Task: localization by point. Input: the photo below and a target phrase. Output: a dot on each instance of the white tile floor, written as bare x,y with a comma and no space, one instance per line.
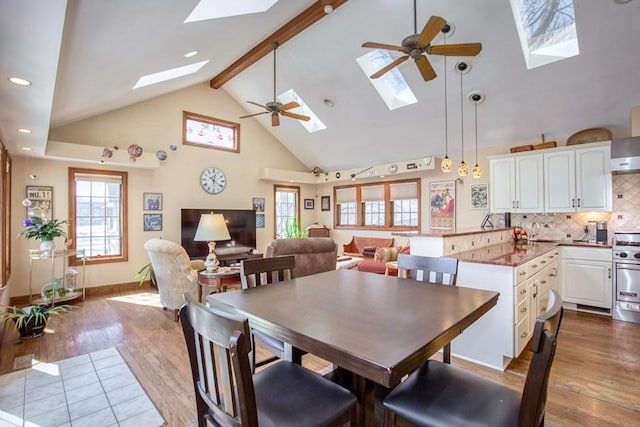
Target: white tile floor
95,389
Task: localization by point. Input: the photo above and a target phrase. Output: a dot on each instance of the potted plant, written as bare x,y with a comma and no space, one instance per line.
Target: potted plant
43,230
146,272
293,229
31,320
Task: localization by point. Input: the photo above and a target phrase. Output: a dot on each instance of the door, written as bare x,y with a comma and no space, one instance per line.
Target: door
587,282
593,179
503,194
529,184
560,181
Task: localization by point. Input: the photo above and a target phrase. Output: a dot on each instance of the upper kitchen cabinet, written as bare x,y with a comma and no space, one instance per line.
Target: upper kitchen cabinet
517,184
578,179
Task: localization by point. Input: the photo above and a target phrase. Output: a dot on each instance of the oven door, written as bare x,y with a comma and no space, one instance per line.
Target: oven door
627,282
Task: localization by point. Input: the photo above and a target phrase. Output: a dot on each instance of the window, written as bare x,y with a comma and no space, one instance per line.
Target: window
389,205
287,209
98,212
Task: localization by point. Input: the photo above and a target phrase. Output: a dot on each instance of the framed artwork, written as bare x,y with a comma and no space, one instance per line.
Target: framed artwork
258,204
152,222
308,203
209,132
41,198
260,221
479,196
442,201
152,201
325,203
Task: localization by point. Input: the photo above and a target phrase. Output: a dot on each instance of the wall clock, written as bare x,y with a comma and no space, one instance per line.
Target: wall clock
393,168
213,180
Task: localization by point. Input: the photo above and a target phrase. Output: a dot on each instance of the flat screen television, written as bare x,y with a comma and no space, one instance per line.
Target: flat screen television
242,228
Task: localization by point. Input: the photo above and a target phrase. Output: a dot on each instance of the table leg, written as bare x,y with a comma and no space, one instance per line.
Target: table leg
364,390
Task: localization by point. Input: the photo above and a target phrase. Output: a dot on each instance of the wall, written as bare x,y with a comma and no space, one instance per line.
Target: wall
154,125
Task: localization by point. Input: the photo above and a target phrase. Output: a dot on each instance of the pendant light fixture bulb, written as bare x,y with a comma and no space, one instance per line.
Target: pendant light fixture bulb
463,169
446,164
476,172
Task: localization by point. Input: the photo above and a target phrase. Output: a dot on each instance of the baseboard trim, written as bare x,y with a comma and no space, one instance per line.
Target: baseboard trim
93,291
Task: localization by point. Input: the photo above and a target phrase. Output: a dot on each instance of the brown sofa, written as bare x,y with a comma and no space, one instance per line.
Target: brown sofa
313,254
357,246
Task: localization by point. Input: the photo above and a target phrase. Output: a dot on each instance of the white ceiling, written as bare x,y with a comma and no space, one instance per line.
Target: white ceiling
84,57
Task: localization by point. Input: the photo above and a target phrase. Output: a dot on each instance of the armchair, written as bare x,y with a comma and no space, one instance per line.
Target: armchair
175,273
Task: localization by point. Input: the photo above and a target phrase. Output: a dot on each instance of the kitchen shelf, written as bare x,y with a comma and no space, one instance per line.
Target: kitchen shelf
58,258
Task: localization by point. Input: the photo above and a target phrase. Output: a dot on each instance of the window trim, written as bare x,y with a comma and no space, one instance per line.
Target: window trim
387,202
275,219
124,212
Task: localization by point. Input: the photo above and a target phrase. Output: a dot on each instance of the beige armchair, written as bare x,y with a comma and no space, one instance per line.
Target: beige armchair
313,254
175,273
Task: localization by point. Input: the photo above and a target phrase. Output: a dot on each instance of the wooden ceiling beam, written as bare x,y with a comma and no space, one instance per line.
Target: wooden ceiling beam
301,22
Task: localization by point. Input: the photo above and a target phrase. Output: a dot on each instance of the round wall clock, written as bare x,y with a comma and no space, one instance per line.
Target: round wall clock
213,180
393,168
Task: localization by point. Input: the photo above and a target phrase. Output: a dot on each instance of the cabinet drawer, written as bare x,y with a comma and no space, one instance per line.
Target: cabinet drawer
534,266
521,293
521,336
521,273
548,276
522,311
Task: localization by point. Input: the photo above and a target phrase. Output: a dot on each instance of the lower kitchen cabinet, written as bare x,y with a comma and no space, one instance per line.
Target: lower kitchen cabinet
586,278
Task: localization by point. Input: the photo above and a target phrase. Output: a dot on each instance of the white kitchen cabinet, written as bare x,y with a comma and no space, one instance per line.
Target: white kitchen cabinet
578,179
586,278
517,184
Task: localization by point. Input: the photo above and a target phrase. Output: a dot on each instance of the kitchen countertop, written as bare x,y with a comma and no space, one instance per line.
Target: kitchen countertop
450,233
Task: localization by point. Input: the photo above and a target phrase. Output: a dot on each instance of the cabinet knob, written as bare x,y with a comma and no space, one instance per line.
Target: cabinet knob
523,310
523,291
523,273
543,261
543,281
523,335
534,265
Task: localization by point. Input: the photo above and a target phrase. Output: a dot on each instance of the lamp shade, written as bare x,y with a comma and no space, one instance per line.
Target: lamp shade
212,227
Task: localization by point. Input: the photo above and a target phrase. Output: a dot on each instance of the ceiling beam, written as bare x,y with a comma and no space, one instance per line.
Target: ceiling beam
304,20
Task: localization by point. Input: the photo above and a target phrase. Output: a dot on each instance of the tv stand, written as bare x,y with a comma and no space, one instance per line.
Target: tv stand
228,259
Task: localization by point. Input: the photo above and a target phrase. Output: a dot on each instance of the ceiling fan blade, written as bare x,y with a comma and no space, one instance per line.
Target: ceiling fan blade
430,31
259,105
251,115
425,68
288,106
295,116
375,45
461,49
275,119
389,67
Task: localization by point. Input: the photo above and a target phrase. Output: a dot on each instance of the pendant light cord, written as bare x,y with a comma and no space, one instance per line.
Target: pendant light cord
476,117
415,18
461,115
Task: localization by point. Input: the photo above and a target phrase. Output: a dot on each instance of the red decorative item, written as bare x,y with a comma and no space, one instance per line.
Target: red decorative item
134,151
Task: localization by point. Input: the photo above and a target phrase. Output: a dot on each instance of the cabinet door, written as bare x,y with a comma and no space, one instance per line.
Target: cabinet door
593,179
587,282
529,184
503,193
559,182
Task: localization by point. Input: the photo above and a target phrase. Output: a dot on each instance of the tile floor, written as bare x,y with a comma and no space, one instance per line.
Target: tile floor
96,389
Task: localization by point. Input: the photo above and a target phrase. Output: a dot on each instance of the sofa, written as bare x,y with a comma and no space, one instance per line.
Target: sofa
378,264
365,246
313,254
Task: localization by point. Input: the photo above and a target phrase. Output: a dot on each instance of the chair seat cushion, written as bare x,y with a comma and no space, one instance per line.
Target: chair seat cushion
268,341
290,395
441,394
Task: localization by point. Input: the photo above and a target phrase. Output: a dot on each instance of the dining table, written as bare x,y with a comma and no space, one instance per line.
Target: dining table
378,328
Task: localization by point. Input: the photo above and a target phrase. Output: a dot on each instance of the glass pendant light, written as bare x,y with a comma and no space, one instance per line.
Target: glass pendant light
446,164
463,169
476,98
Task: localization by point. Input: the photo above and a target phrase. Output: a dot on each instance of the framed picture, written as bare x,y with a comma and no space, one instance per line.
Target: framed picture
308,203
442,199
260,221
152,201
41,198
209,132
258,204
479,196
152,222
325,203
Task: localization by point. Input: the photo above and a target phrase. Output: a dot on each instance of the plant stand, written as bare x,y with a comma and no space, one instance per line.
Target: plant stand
58,260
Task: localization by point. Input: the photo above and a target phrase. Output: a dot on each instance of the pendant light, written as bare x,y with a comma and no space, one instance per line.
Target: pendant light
476,98
446,164
462,67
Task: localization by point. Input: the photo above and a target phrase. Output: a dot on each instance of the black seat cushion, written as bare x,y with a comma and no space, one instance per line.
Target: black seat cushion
289,395
441,394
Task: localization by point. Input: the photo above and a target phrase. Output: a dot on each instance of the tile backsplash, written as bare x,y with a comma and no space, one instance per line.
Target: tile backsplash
625,215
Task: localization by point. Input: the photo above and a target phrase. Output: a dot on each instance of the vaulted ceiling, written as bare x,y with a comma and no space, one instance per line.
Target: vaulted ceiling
83,58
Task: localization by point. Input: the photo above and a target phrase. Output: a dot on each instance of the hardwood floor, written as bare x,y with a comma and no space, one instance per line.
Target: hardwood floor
594,379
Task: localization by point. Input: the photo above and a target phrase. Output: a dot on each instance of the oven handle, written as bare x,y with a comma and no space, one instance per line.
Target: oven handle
626,265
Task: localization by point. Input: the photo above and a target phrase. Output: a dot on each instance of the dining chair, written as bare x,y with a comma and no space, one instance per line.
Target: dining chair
441,394
284,394
260,272
439,270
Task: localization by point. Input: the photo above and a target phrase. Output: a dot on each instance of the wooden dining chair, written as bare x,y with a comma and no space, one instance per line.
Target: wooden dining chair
441,394
430,269
260,272
284,394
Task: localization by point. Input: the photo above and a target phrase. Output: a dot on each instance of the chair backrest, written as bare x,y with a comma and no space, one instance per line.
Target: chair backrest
262,271
218,344
313,255
428,269
543,345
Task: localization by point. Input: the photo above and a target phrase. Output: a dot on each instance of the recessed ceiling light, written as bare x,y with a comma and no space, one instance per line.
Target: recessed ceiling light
25,148
19,81
328,102
622,1
190,54
23,130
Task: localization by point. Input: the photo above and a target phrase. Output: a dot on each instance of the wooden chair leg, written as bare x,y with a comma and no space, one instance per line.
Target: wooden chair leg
176,314
446,354
389,418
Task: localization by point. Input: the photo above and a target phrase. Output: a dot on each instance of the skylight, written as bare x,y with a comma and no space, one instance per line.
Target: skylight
212,9
547,30
392,86
163,76
313,125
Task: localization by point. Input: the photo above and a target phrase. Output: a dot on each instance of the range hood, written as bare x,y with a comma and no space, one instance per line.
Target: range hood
625,154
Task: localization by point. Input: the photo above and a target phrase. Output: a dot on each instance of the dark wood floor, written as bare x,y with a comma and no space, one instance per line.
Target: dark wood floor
594,381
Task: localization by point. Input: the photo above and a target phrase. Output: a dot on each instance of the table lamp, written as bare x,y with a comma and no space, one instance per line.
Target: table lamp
212,227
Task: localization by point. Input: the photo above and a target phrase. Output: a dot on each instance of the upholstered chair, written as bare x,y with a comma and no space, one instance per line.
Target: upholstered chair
313,254
175,273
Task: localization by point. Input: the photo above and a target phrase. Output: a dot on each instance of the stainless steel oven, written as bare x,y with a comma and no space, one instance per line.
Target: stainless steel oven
626,278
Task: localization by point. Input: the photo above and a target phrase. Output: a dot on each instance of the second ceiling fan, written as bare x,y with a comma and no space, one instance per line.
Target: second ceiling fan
417,45
274,107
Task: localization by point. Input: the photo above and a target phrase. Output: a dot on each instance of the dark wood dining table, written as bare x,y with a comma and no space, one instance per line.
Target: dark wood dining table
379,328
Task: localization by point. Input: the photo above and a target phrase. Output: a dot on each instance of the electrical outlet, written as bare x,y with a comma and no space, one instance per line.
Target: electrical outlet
568,236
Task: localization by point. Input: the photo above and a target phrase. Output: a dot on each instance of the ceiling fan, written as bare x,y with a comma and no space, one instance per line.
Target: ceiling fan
416,45
274,107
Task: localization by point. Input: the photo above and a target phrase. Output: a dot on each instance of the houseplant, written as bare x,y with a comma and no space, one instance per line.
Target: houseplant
31,320
146,272
40,229
293,229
